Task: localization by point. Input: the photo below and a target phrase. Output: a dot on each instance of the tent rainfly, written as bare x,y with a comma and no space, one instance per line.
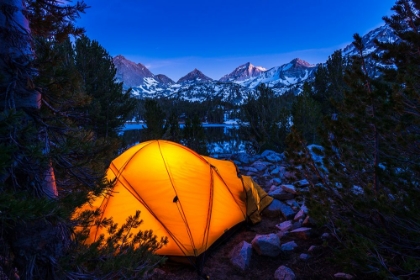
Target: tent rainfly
191,199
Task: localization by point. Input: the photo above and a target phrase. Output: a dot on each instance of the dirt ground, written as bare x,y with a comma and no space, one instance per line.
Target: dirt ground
217,265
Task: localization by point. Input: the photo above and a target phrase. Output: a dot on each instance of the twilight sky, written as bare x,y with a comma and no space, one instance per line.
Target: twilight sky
173,37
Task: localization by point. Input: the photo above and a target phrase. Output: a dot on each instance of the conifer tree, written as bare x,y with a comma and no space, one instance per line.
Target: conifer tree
109,106
194,135
154,117
50,160
306,114
361,191
266,119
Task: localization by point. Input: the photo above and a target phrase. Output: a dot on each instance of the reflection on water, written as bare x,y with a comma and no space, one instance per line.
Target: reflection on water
221,139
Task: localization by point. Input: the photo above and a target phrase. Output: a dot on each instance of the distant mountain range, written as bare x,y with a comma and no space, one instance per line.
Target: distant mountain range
233,87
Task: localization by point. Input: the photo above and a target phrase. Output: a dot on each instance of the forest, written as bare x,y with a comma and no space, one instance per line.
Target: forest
63,108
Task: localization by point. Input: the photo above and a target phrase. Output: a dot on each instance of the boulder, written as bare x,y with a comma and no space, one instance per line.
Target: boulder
278,193
272,156
277,208
240,256
304,257
301,233
299,215
285,226
289,188
289,246
267,244
284,273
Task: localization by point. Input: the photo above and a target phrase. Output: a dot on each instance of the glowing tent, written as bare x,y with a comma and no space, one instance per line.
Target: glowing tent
191,199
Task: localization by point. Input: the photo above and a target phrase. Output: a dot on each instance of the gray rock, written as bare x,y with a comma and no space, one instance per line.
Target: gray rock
313,248
272,156
274,181
244,158
289,246
289,188
250,169
343,275
267,245
284,273
299,215
302,233
240,256
277,208
302,183
278,193
308,222
304,257
275,171
325,235
285,226
259,165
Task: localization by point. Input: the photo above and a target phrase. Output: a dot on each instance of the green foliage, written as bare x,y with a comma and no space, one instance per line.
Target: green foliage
306,113
368,196
127,253
109,106
266,119
194,136
329,84
154,117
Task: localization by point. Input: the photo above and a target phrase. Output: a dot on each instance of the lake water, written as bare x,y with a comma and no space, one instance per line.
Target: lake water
220,138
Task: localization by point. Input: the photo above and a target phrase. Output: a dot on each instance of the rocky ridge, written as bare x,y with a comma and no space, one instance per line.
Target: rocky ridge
243,80
286,244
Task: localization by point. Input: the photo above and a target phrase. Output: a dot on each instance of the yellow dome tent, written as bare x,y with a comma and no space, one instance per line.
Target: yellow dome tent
191,199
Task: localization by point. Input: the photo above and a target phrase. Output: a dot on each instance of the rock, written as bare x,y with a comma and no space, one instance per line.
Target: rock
271,156
280,194
250,170
313,248
244,158
308,222
240,256
289,246
277,208
275,171
343,275
304,257
284,273
302,183
289,188
301,233
259,165
275,181
267,245
325,235
285,226
304,208
296,225
299,215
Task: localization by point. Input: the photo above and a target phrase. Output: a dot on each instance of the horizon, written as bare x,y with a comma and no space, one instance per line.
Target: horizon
174,38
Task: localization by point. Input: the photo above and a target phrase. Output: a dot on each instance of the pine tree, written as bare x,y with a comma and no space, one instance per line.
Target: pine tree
306,114
154,118
51,161
361,190
109,106
266,118
329,84
194,136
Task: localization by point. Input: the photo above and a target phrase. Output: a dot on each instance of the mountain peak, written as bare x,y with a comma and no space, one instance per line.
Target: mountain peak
300,62
243,72
195,75
129,72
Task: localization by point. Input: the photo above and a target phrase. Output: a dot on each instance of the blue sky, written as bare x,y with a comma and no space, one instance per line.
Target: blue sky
173,37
